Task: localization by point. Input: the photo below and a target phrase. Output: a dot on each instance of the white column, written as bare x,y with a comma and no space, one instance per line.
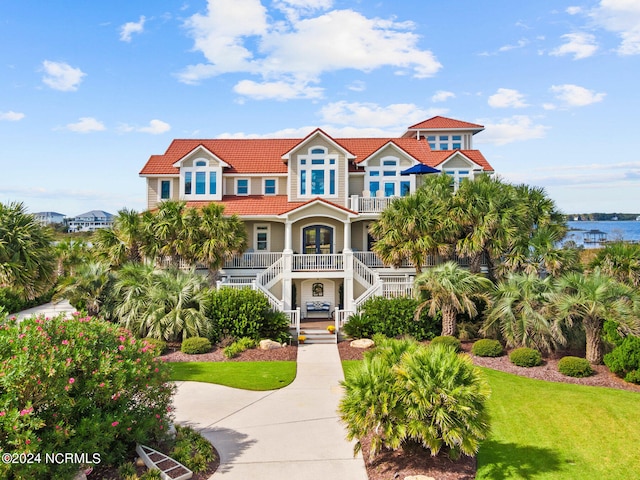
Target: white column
288,237
347,237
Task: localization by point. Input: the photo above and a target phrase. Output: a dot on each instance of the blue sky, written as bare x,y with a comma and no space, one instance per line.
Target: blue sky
89,90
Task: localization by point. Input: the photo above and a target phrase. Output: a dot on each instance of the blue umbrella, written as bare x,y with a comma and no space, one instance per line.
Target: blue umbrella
419,169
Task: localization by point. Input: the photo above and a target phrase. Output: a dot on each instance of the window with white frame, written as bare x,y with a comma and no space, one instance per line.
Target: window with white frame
445,142
198,182
270,186
317,173
242,186
386,181
457,176
261,237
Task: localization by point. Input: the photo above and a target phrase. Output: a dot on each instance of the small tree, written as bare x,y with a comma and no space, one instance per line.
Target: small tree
404,392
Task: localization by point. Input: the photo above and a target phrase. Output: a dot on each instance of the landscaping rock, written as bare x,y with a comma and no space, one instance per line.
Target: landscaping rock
362,343
269,345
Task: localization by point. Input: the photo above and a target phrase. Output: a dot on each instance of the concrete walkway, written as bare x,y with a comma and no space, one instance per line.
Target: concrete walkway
48,310
289,433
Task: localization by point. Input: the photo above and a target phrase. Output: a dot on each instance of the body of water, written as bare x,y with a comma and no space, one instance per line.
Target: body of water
615,230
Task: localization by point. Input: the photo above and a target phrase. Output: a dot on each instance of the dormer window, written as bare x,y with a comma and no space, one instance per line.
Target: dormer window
199,180
242,186
386,180
317,173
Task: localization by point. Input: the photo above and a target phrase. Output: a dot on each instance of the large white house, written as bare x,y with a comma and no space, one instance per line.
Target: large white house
90,221
307,204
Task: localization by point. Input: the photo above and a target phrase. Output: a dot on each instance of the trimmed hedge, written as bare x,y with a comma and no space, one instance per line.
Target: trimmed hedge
487,347
525,357
575,367
196,345
448,341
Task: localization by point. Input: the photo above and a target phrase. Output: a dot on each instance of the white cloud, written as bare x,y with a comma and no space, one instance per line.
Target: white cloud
155,127
514,129
130,28
507,97
580,45
241,37
370,115
357,86
520,44
86,125
11,116
442,96
576,96
62,76
574,10
621,17
280,90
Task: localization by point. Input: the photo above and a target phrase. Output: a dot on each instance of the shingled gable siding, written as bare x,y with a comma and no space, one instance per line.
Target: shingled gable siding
341,180
456,162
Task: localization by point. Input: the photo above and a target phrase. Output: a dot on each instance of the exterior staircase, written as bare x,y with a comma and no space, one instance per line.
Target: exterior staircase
319,336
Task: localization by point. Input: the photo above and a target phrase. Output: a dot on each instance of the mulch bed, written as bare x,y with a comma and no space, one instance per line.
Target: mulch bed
402,463
288,353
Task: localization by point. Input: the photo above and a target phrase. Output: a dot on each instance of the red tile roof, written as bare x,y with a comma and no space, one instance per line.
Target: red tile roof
444,123
246,156
258,205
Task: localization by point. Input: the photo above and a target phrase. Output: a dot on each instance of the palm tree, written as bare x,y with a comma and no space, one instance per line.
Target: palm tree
451,289
416,226
27,262
123,242
484,209
157,303
168,233
589,300
538,228
88,289
220,237
519,311
70,254
621,261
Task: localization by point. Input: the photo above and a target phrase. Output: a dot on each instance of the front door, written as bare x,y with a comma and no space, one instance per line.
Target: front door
317,239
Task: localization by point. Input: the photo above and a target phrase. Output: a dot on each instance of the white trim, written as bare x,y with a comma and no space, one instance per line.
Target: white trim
264,186
255,236
208,152
365,162
248,187
326,168
317,132
208,170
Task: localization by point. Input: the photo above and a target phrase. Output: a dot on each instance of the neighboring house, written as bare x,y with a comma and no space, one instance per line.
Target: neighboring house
90,221
49,218
307,204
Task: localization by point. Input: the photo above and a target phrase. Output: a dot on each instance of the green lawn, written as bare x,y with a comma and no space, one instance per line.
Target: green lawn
545,430
245,375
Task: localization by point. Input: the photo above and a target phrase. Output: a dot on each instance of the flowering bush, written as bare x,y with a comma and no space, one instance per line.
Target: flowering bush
80,386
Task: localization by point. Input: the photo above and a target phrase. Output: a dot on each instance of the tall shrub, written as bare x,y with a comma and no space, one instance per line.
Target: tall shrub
392,317
79,386
241,313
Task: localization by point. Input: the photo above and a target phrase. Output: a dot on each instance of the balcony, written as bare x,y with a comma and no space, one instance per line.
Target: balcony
314,263
369,204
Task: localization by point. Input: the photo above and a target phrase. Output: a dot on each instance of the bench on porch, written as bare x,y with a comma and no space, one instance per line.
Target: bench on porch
322,308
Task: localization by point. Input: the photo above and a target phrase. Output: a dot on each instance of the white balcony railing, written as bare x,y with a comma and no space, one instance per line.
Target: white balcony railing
325,262
250,260
370,204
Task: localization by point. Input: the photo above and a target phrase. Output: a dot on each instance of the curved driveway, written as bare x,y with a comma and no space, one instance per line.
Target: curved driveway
289,433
